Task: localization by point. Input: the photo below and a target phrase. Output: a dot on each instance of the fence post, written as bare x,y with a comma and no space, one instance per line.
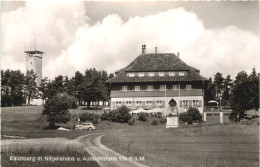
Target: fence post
205,116
221,117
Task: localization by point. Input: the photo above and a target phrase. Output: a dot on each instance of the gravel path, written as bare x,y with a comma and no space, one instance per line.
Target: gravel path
105,156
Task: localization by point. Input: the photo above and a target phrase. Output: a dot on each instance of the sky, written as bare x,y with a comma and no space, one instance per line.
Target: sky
74,36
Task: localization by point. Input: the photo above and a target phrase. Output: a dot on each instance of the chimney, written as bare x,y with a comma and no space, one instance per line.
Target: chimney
143,49
155,50
178,55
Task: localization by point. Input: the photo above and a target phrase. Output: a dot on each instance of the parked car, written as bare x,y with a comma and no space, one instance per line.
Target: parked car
85,126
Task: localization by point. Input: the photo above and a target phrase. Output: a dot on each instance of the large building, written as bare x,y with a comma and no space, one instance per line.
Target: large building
34,62
155,79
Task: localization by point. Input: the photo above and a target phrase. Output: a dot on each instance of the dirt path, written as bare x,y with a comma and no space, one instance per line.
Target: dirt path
108,157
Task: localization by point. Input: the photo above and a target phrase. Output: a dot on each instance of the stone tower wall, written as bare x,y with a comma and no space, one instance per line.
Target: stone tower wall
34,62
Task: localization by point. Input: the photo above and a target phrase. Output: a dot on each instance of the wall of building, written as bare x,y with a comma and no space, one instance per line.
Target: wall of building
34,63
157,93
182,108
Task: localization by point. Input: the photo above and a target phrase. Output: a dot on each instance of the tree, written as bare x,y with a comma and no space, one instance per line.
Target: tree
91,86
12,88
218,81
210,91
56,108
227,84
30,86
244,94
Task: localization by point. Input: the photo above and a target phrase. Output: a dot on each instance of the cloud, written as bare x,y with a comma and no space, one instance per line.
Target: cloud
70,43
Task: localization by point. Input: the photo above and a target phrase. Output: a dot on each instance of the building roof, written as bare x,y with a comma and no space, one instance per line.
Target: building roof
155,63
33,52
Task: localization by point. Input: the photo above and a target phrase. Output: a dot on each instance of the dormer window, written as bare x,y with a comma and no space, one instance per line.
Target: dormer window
141,74
171,73
181,73
161,74
131,74
151,74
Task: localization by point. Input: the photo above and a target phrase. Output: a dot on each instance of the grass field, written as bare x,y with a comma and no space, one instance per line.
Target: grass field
27,122
231,145
235,144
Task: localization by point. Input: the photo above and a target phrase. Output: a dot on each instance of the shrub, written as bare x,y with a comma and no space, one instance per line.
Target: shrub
104,116
95,121
143,116
88,116
234,116
163,120
183,116
191,115
131,121
154,122
121,115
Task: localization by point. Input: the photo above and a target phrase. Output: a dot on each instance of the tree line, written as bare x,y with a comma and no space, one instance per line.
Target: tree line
241,94
17,88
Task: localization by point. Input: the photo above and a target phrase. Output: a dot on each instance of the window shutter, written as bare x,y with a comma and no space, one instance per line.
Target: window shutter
200,103
113,105
190,103
153,104
180,103
163,103
143,103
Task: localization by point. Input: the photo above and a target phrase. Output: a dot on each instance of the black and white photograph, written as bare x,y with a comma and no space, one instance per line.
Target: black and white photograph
130,83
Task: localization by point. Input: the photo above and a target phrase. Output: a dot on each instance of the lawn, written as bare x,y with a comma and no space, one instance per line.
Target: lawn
24,121
222,145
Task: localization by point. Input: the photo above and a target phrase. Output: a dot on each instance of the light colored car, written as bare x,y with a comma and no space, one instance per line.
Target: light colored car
85,126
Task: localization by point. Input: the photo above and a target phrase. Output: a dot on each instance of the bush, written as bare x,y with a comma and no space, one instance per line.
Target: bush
95,121
154,122
131,121
191,115
234,116
163,120
104,116
88,116
121,115
143,116
183,116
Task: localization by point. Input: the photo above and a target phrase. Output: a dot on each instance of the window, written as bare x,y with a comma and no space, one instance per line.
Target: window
128,103
141,74
131,74
195,103
185,102
124,88
159,103
151,74
150,88
181,73
162,87
118,103
138,104
161,74
171,73
148,103
188,87
137,88
175,87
